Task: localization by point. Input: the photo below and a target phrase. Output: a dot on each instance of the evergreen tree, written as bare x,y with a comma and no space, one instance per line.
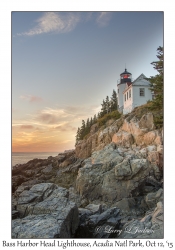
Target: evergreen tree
98,115
82,130
107,102
103,109
87,128
91,122
78,135
87,123
94,119
114,100
156,81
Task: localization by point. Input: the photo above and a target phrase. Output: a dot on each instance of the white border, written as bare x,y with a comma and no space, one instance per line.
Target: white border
5,93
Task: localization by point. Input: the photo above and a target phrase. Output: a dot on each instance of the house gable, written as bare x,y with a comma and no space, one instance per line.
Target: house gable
141,81
136,93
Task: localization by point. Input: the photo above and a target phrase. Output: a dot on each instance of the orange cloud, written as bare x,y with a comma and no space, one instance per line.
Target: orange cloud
48,118
49,130
26,127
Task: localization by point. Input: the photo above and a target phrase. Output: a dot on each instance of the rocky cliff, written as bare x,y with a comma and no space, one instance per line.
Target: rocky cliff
113,179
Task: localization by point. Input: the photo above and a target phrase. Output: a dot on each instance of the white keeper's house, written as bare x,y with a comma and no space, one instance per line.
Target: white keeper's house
132,94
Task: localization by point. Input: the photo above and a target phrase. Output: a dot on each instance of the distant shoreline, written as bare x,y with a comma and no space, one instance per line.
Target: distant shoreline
24,157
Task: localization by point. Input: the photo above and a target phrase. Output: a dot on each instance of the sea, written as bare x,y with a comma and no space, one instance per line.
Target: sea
24,157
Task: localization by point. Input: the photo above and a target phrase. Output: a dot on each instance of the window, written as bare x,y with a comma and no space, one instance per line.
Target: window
127,95
130,93
142,92
118,90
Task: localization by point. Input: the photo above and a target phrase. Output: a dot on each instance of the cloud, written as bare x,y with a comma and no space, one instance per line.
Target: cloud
103,19
48,118
31,98
65,127
60,119
26,127
49,128
54,22
77,110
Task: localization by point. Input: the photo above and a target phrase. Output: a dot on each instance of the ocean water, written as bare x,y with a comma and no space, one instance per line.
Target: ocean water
24,157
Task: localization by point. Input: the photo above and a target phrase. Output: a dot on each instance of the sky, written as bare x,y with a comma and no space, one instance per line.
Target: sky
65,63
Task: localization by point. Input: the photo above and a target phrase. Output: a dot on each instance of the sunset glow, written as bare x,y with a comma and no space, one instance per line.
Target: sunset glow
65,63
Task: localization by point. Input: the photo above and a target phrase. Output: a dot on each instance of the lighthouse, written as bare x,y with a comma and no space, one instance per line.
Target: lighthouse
125,80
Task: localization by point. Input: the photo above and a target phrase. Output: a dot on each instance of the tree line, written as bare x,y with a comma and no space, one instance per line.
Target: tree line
108,105
156,81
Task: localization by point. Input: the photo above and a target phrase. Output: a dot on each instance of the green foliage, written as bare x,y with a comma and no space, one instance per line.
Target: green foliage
158,120
108,105
112,115
156,86
156,81
108,111
114,102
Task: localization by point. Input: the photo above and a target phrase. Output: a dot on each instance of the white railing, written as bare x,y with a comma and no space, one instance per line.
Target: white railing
119,80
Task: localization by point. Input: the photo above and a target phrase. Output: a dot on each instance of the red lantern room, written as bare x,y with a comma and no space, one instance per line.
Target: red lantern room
125,77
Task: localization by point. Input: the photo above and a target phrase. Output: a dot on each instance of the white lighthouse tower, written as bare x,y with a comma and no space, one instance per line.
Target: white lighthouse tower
125,78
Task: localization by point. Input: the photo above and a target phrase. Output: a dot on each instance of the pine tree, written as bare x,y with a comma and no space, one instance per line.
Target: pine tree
156,81
107,104
103,109
114,100
98,115
78,135
87,123
82,130
91,122
94,119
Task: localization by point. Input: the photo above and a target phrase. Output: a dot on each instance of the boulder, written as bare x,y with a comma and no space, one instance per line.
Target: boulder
45,226
47,169
147,121
107,177
36,194
66,176
137,165
151,148
94,128
125,205
46,212
123,138
17,181
152,137
123,170
98,138
153,198
99,225
153,157
149,227
94,208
